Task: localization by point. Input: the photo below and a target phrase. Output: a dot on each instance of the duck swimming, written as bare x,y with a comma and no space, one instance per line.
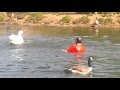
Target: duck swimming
16,39
80,69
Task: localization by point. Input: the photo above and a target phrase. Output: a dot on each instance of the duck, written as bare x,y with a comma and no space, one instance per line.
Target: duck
16,39
81,69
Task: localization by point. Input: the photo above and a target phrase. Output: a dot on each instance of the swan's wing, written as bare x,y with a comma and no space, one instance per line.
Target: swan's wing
13,37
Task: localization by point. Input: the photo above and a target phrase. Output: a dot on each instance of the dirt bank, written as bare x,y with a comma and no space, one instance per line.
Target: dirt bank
55,20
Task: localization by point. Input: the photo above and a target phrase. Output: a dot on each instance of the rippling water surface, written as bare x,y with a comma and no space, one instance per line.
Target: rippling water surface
41,56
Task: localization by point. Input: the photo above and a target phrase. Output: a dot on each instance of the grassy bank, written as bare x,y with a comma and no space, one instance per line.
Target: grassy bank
58,19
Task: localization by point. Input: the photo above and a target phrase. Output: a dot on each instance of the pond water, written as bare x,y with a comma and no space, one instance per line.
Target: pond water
41,55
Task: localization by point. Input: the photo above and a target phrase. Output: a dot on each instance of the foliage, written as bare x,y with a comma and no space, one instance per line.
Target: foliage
105,21
36,17
66,19
83,20
2,17
20,16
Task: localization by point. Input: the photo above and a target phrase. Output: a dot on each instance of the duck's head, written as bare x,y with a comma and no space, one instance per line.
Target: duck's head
90,59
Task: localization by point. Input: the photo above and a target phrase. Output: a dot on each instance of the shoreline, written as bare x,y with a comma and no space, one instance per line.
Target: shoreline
64,25
54,20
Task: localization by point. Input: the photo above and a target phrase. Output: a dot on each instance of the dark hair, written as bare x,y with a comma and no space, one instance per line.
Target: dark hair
78,40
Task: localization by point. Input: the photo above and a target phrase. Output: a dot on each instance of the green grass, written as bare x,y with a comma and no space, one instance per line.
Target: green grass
82,20
66,19
36,17
105,21
2,17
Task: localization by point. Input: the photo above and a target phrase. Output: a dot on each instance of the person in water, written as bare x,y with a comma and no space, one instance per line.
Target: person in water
78,49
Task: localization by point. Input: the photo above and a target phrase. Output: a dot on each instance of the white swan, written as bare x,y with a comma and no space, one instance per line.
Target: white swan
16,39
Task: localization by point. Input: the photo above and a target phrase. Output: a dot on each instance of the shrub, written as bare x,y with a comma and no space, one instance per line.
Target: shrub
108,21
105,21
101,20
83,20
20,16
66,19
36,17
2,17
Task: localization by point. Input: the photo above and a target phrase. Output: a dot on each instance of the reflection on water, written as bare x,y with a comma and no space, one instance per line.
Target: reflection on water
41,55
17,54
96,32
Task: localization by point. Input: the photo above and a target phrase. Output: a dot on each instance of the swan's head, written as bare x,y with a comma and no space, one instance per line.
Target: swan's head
20,32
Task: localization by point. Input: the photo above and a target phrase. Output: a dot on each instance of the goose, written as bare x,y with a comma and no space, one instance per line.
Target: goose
80,69
95,23
16,39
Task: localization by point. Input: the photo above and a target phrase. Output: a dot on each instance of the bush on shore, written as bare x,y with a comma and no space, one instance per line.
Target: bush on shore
82,20
105,21
36,17
66,19
2,17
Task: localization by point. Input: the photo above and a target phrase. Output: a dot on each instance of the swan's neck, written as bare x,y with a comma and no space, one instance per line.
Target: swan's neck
19,34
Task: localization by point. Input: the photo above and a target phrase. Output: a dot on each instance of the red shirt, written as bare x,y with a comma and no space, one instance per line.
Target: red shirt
76,48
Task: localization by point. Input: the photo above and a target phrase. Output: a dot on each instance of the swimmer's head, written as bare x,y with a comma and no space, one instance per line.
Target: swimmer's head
78,40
